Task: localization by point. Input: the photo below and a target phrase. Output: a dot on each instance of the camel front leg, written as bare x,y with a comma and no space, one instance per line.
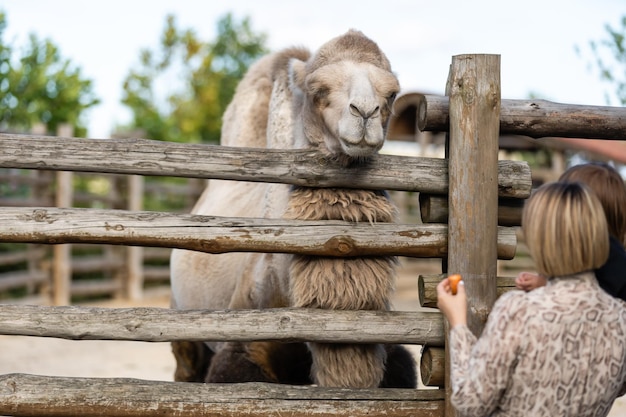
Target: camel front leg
192,361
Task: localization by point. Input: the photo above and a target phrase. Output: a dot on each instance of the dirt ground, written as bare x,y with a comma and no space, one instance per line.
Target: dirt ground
154,361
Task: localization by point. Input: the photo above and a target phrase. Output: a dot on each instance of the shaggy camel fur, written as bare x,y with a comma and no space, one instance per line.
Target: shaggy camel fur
337,101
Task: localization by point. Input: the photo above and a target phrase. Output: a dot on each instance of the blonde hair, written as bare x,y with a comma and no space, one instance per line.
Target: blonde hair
609,187
565,229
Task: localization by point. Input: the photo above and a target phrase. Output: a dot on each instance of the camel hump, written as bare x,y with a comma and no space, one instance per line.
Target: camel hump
282,60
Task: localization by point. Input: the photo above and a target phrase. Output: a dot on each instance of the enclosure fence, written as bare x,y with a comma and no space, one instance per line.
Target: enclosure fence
470,188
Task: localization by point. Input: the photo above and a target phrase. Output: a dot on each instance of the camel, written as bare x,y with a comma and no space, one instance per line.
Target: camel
337,101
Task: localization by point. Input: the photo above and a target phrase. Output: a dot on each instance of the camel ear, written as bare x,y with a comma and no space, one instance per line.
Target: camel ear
297,74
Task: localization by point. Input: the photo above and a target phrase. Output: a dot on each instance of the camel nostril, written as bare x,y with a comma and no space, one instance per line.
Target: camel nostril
357,111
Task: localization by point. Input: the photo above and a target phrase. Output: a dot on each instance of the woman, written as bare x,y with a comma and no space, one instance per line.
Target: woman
609,187
559,350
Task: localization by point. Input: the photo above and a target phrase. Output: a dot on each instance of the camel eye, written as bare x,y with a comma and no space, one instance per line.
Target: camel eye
320,96
390,99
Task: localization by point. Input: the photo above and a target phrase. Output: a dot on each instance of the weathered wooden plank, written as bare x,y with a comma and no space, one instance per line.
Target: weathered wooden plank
94,287
163,325
473,86
8,258
22,395
91,263
434,209
298,167
222,234
535,118
473,199
23,202
432,366
16,279
427,287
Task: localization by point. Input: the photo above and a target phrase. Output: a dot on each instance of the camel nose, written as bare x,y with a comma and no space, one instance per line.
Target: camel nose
363,111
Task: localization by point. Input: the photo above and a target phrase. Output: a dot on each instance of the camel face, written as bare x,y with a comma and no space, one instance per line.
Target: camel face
348,91
354,102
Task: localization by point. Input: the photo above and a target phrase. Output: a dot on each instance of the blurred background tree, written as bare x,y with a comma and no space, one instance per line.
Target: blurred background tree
41,87
204,73
610,59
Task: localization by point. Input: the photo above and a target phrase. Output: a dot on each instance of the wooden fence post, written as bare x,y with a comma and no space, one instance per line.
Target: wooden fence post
134,266
62,266
474,90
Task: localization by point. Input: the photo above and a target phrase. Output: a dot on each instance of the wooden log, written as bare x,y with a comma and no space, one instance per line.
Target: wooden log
94,263
535,118
434,209
472,149
62,254
20,179
165,325
134,254
432,366
17,279
23,202
8,258
94,287
474,90
219,235
22,395
427,287
156,273
298,167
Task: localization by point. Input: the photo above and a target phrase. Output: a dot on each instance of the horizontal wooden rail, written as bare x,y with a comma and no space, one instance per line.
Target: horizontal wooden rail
95,287
8,258
434,209
297,167
15,279
432,366
23,202
535,118
164,325
25,395
230,234
427,287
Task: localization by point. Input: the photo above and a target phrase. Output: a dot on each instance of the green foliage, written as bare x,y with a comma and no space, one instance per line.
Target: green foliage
41,87
206,74
613,70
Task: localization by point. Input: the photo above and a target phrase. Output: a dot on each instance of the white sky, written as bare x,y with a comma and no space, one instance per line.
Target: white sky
537,40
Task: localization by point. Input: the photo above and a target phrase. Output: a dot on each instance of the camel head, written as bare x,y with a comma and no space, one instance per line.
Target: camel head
343,96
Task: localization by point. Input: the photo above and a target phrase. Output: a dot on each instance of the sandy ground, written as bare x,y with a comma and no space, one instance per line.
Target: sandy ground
154,361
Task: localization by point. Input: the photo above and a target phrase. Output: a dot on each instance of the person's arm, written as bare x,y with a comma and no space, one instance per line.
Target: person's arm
480,369
453,307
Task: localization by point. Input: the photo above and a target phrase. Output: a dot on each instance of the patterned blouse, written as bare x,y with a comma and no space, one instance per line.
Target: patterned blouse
559,350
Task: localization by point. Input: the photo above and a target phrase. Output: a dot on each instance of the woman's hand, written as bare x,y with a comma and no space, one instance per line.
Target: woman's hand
528,281
453,307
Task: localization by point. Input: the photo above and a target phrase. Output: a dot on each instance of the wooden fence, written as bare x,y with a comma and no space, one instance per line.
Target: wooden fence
470,177
53,275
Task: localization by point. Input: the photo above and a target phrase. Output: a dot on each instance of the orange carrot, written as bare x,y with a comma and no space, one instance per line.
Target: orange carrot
454,282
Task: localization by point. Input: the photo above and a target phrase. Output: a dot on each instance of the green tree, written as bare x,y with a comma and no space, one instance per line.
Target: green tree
610,59
205,75
41,87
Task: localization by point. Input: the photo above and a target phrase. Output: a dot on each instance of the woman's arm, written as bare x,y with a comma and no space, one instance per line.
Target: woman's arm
480,369
453,307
